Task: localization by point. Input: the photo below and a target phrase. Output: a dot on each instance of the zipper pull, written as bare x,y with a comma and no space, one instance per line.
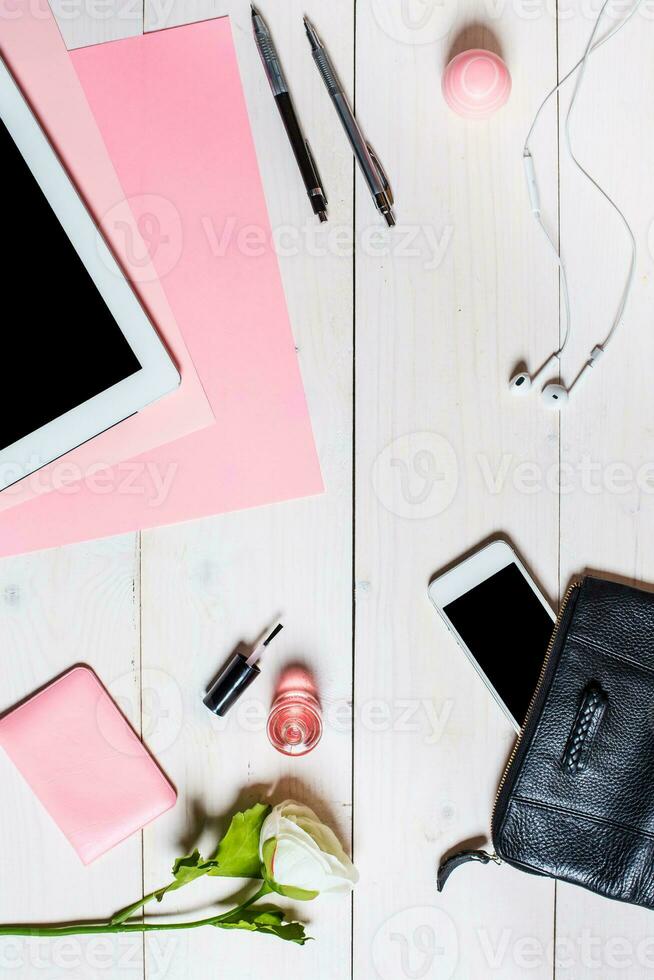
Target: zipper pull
462,857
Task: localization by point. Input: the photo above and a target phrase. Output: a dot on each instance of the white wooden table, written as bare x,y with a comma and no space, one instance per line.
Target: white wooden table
406,343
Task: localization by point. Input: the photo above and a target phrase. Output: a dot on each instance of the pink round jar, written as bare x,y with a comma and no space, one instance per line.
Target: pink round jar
476,83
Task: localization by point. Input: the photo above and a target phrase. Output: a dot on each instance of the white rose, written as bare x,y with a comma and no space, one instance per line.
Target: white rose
302,856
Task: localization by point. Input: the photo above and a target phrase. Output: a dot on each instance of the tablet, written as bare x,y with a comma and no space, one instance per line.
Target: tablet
79,353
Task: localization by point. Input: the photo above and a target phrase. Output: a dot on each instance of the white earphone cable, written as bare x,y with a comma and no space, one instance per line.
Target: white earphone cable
582,65
564,285
568,138
594,47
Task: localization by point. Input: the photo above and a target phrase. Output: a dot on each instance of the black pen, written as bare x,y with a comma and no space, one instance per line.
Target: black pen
301,148
366,157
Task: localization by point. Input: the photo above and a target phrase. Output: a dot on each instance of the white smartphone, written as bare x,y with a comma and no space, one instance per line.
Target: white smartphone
501,621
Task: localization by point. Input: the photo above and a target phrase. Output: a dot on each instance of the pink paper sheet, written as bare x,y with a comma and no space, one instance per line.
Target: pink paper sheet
32,46
171,109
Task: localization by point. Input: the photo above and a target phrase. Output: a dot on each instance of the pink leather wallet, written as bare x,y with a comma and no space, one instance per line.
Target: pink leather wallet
84,762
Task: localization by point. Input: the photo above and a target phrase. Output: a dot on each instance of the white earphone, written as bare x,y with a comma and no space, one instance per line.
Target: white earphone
523,382
555,395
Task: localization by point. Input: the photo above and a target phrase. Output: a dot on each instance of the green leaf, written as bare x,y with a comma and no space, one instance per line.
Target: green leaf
296,894
289,891
237,855
270,921
127,912
268,854
185,870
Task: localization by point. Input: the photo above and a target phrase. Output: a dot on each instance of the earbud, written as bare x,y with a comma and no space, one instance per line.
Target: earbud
520,384
523,382
555,396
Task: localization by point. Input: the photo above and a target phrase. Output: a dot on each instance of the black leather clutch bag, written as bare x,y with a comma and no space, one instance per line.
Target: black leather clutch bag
576,801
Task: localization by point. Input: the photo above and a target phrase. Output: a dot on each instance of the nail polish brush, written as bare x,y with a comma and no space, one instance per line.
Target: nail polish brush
237,675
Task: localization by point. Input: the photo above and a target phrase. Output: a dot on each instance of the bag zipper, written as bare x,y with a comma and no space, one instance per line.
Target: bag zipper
535,702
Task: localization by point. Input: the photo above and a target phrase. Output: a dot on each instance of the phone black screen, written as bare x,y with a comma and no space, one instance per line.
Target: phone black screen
60,344
507,630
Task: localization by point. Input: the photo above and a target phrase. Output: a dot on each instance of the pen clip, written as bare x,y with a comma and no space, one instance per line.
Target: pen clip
382,173
317,172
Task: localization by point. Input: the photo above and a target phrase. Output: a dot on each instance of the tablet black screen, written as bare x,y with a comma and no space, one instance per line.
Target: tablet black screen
60,344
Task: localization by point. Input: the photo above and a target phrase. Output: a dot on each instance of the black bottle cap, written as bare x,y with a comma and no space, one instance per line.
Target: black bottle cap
230,684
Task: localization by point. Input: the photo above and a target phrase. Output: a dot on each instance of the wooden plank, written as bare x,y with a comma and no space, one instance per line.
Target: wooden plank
209,585
607,518
78,604
84,22
59,608
442,452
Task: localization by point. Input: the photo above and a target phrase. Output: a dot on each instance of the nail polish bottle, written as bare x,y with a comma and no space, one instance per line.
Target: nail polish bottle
236,676
295,719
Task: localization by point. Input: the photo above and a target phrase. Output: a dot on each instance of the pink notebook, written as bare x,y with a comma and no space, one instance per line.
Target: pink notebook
85,763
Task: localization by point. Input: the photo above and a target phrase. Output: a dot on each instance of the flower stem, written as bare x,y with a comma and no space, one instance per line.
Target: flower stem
96,928
130,910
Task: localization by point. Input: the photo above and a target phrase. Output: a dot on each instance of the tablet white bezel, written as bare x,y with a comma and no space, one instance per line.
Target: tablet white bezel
158,374
462,578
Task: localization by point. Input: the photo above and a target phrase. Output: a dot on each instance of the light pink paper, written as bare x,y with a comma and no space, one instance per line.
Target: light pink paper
171,109
33,48
82,760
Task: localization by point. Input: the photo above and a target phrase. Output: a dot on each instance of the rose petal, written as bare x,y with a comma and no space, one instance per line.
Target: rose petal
299,867
308,854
